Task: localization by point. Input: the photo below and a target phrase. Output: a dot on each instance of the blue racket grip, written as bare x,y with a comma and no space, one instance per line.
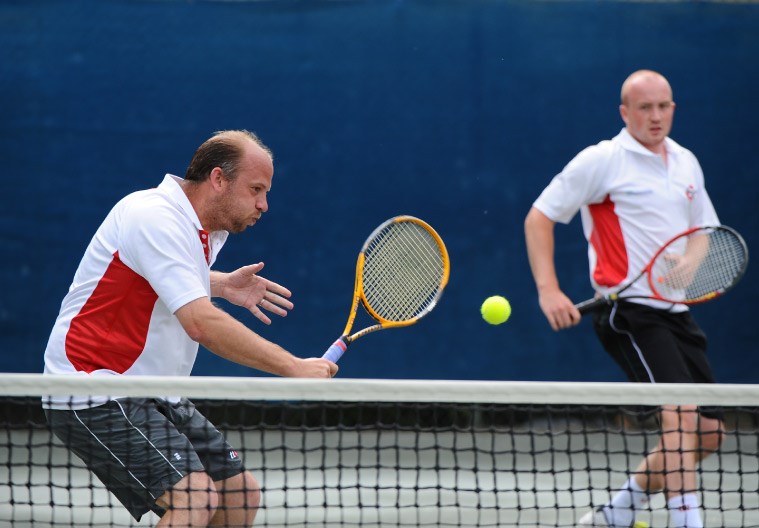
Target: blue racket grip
337,350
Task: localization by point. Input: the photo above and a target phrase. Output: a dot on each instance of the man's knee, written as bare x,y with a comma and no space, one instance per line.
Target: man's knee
251,489
711,435
240,497
194,498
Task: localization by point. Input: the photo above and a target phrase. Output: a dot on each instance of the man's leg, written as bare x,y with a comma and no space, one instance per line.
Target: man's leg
239,498
138,455
658,348
238,492
671,467
192,502
681,426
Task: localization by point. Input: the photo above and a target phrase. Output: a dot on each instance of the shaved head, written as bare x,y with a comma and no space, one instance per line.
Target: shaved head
635,79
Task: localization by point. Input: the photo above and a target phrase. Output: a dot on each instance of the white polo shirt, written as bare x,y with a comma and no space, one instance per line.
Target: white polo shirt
149,257
631,204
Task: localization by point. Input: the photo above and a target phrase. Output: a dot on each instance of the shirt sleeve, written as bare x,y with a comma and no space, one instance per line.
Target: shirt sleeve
155,244
578,184
702,210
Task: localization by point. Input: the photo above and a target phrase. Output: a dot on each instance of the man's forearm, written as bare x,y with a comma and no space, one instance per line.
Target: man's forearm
540,248
227,337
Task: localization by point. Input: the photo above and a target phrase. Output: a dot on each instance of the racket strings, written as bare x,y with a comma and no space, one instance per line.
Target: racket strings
404,278
403,271
717,260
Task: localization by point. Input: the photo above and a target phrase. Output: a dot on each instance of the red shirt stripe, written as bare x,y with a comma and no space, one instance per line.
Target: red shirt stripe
609,245
111,329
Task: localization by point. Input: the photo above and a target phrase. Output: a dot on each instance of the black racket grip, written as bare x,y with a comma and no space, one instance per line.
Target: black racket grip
586,307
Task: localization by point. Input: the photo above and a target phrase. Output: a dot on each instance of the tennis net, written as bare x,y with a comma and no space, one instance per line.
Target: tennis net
371,453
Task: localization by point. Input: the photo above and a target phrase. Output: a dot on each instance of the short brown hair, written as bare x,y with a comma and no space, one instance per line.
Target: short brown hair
224,150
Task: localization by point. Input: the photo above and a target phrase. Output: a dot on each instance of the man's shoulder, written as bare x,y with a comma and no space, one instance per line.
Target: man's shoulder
600,153
150,210
676,148
147,201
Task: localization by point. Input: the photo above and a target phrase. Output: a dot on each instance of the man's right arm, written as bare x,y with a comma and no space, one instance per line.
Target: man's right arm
227,337
539,236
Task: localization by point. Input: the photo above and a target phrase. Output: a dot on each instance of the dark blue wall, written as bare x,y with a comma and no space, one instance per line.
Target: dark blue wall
456,112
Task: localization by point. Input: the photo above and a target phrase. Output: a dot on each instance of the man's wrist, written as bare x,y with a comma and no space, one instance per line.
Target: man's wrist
548,288
218,283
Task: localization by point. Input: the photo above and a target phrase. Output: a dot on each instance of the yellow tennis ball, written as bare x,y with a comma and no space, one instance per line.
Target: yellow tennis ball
640,524
496,310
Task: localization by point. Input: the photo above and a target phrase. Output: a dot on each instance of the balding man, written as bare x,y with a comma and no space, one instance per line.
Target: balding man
635,192
139,304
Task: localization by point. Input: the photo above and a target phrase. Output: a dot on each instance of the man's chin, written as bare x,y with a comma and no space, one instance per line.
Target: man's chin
237,229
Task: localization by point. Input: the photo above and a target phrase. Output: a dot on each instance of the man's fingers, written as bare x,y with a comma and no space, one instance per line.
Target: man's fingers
261,316
275,303
254,268
277,289
562,319
333,368
278,300
273,308
575,315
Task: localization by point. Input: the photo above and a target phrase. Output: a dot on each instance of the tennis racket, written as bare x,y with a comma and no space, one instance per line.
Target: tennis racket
401,272
696,266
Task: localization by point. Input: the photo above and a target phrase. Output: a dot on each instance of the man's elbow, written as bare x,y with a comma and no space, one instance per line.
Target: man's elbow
536,219
532,219
196,332
196,320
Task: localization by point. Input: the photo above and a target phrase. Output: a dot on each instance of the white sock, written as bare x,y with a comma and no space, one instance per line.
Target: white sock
620,512
685,511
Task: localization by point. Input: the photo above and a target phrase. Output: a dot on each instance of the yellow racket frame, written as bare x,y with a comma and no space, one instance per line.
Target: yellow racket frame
358,288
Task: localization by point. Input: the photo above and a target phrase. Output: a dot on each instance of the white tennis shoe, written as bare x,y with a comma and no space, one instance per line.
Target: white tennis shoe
594,518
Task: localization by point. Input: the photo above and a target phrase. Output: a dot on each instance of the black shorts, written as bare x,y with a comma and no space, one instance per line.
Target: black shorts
654,346
140,448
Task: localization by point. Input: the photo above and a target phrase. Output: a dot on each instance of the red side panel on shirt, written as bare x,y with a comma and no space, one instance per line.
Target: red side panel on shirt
110,330
609,245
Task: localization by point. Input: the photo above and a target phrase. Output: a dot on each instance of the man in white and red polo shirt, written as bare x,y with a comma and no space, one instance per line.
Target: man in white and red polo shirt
139,304
635,192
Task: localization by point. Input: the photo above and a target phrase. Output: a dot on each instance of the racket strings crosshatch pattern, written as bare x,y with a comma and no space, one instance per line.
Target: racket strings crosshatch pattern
695,266
401,272
403,269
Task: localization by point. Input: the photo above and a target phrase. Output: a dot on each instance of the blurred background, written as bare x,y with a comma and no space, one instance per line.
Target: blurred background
458,112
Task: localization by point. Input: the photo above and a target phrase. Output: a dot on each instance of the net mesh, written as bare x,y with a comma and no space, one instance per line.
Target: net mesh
371,453
721,257
403,271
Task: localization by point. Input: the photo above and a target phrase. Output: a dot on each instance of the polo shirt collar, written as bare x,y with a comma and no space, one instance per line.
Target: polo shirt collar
171,186
630,143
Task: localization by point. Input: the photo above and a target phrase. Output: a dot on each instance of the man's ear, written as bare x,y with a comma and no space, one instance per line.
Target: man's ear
623,112
217,179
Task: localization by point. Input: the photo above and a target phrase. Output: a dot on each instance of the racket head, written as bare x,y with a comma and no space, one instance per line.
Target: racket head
402,271
718,258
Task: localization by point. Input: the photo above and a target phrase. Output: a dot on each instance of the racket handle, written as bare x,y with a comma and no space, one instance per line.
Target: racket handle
585,307
337,349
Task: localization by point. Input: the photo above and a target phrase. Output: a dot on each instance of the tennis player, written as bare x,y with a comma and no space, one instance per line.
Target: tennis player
635,192
139,304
